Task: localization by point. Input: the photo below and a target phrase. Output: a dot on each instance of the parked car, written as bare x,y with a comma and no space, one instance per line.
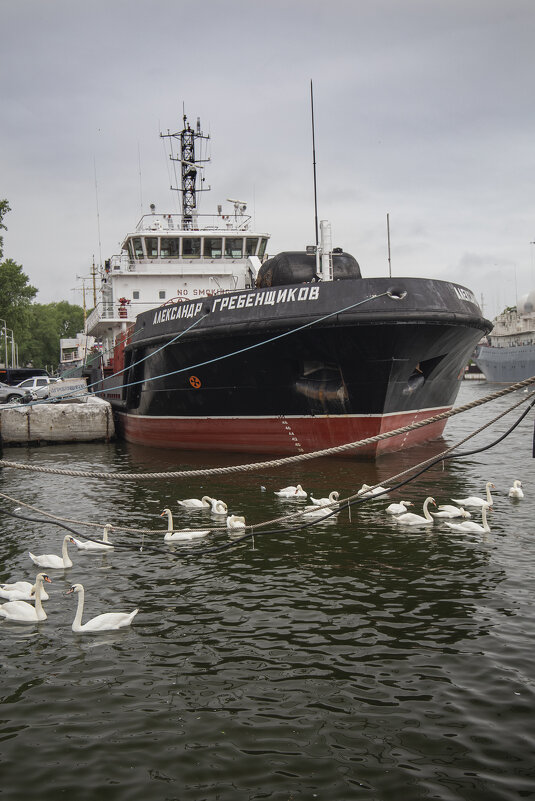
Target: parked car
38,386
11,394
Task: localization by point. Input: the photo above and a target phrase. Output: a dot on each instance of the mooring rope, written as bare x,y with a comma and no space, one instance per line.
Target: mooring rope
298,517
301,457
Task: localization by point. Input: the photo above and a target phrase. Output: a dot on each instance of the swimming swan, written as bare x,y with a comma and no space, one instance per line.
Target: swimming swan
89,545
398,508
219,507
469,525
235,522
473,500
445,510
23,612
195,503
51,560
333,497
410,519
291,492
183,535
516,490
21,591
109,621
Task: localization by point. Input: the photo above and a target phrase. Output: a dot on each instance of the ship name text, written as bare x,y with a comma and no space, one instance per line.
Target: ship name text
270,297
465,294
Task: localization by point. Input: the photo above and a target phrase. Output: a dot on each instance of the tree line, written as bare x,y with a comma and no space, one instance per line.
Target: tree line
37,327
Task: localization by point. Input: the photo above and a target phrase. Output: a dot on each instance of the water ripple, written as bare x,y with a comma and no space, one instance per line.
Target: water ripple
350,660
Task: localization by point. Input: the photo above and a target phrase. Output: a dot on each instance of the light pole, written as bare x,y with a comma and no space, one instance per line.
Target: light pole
5,341
12,346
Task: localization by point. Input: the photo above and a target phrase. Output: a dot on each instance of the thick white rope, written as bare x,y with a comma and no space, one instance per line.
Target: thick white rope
295,516
273,462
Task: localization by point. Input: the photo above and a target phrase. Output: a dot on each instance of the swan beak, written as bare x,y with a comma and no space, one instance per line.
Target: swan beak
45,578
71,540
71,589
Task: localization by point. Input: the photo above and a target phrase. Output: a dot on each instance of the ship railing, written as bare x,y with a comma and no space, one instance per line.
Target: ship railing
201,222
104,310
119,261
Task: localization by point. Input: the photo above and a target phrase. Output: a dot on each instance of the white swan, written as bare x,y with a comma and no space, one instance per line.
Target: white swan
410,519
445,510
23,612
291,492
516,490
89,545
473,500
219,507
366,491
333,497
235,522
184,534
398,508
469,525
51,560
109,621
21,591
195,503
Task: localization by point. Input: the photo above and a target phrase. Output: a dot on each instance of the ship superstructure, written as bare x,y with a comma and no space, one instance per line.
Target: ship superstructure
172,257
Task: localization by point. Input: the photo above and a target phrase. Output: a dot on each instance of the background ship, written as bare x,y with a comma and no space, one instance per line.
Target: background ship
283,355
507,354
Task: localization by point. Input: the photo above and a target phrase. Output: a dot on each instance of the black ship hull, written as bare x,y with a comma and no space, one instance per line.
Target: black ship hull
298,368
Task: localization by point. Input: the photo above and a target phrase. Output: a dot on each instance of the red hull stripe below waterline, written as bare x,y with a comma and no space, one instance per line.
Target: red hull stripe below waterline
278,435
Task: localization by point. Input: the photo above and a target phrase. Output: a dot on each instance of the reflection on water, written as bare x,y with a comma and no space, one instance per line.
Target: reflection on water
351,659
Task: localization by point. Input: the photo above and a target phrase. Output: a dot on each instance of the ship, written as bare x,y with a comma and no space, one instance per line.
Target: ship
203,341
507,354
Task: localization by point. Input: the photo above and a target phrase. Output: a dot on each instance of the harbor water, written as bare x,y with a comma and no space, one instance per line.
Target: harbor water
354,659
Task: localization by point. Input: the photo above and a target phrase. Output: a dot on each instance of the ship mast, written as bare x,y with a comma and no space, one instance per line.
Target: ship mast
190,166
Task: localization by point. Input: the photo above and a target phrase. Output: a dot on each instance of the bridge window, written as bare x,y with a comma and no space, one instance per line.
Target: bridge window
213,247
161,294
191,248
138,247
233,247
135,294
251,245
168,247
151,246
263,245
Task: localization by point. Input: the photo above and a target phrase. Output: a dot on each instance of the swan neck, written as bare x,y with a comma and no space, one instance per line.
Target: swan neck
38,605
65,554
427,514
77,623
169,520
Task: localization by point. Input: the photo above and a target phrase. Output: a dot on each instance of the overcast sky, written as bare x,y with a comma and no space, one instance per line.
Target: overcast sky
424,110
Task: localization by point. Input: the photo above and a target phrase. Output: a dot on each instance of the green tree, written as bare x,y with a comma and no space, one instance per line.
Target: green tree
16,293
37,328
51,322
4,208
